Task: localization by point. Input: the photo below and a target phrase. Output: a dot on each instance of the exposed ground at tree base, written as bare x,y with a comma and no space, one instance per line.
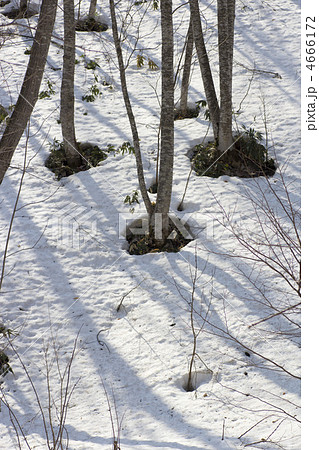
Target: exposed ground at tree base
142,244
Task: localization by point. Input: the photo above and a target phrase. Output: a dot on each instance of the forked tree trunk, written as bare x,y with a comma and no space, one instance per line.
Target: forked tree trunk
130,114
187,69
30,87
165,181
207,78
226,18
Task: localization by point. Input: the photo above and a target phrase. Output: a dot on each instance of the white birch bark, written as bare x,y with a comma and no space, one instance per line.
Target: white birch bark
165,181
187,69
206,73
67,88
226,18
136,140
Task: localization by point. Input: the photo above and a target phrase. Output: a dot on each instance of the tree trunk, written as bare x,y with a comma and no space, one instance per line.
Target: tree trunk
73,156
23,7
92,9
226,18
207,78
187,69
164,190
128,106
30,87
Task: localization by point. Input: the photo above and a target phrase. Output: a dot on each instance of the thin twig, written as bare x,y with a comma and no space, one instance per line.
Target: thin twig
125,295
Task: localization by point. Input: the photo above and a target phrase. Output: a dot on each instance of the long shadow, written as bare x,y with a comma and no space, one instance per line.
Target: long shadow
272,60
223,279
116,365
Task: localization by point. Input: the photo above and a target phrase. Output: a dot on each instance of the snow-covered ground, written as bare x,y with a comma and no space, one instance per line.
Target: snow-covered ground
68,267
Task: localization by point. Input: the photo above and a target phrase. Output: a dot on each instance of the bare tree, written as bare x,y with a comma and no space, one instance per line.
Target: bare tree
53,407
67,88
187,69
206,73
165,181
220,114
226,19
92,10
274,240
30,87
164,191
130,114
23,6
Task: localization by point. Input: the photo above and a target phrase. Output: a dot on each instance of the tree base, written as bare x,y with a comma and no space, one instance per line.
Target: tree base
248,158
91,154
190,113
140,244
19,13
88,25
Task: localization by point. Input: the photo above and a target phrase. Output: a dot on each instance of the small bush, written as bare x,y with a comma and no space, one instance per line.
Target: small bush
90,25
247,159
94,92
203,104
92,156
131,200
57,163
48,92
91,64
3,113
4,364
126,147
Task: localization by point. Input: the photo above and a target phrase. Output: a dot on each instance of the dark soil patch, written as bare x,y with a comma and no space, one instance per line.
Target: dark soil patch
190,113
87,25
20,14
247,159
153,188
57,163
140,244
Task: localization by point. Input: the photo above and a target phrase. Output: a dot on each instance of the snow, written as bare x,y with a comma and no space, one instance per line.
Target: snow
68,267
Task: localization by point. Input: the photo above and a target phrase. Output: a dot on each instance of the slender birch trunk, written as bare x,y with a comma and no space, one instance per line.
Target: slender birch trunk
207,78
31,85
226,18
23,6
136,140
72,153
165,182
92,9
187,69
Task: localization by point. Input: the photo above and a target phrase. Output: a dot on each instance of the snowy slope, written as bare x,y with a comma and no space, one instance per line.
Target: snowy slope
68,267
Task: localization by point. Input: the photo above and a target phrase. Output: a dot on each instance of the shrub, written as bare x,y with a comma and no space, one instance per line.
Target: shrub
248,158
57,163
